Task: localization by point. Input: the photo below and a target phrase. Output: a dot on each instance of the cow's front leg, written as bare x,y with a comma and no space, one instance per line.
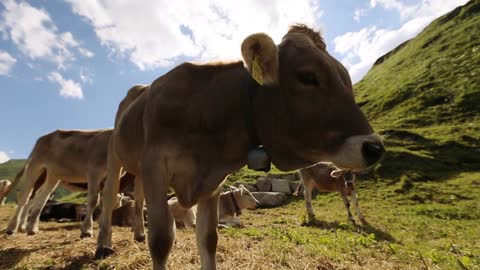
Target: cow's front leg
109,195
346,202
357,209
307,194
161,224
92,202
206,230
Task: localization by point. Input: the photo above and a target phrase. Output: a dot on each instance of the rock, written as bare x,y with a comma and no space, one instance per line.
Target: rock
280,185
249,187
270,199
264,184
286,176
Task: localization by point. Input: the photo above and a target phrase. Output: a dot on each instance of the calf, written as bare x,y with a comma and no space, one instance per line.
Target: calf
124,215
4,187
290,103
229,208
76,159
62,211
326,177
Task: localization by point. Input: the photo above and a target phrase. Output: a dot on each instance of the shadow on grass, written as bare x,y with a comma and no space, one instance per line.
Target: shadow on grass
364,228
80,262
10,257
60,226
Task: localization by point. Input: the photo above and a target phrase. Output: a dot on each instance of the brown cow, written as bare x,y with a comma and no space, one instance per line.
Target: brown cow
4,188
74,157
326,177
196,124
229,208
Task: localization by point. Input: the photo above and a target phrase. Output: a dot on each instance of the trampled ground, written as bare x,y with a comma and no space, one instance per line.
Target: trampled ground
414,226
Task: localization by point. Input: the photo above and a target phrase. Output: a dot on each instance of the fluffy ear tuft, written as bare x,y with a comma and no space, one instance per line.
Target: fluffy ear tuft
336,173
260,55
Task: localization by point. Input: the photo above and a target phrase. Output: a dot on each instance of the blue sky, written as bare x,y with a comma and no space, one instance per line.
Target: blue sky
66,64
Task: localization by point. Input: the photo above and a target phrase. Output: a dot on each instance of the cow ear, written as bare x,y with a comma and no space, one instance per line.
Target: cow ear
260,55
336,173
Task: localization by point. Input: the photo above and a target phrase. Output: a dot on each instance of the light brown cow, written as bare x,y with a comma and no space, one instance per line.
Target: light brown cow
196,124
74,157
326,177
229,208
4,188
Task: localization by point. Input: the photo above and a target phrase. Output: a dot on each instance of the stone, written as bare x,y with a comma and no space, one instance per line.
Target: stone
270,199
264,184
249,187
286,176
280,185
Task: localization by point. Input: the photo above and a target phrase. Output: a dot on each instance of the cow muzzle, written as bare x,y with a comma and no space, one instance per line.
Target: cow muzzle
359,153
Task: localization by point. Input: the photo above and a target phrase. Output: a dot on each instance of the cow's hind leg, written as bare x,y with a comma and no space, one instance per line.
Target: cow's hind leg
347,205
109,194
206,230
31,175
26,210
39,202
138,226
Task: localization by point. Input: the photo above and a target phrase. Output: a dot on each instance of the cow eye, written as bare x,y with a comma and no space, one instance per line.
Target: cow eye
307,78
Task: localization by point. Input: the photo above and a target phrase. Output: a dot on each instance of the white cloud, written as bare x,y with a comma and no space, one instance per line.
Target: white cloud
86,52
86,75
6,63
361,49
69,88
35,34
4,157
155,33
403,9
359,12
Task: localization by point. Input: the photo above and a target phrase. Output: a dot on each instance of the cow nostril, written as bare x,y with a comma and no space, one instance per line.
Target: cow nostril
372,152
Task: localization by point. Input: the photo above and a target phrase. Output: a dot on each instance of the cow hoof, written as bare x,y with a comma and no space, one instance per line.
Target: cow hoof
139,238
86,235
31,232
103,252
9,232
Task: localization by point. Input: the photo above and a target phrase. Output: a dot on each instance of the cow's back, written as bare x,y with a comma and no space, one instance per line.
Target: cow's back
67,152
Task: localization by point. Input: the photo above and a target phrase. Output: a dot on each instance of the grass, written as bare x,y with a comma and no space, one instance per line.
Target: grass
425,226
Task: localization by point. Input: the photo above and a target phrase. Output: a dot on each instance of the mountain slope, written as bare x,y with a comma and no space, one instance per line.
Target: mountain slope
424,97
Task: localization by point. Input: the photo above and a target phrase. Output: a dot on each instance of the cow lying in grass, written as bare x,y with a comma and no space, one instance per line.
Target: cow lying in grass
327,178
69,211
229,208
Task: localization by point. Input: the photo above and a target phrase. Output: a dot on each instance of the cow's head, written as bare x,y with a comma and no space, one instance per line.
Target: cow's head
306,110
347,176
244,198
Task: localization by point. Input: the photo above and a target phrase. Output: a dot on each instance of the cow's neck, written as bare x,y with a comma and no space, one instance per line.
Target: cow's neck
272,121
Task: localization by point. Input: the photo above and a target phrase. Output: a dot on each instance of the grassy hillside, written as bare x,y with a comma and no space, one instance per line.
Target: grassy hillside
9,170
424,96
